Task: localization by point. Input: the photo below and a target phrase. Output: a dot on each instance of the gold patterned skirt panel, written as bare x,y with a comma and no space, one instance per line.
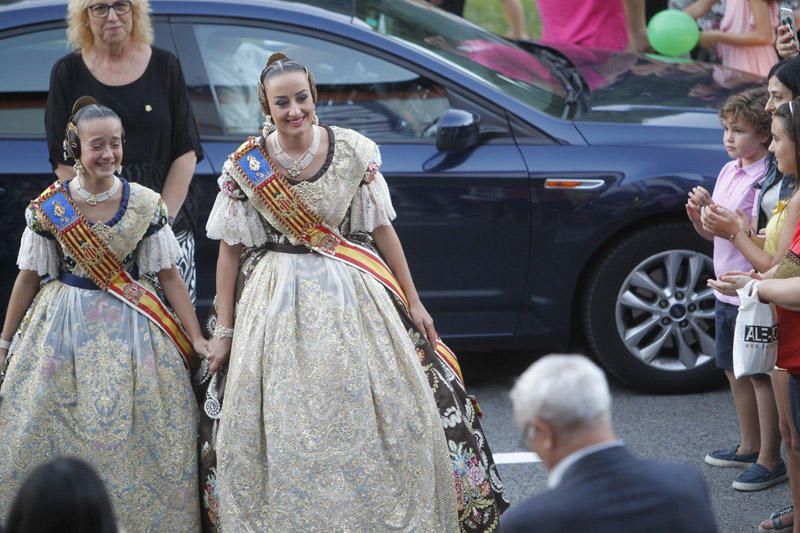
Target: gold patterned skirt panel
328,422
92,378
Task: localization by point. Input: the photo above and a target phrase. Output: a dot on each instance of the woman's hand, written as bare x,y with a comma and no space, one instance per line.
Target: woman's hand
388,244
219,348
730,282
723,222
422,319
785,43
200,345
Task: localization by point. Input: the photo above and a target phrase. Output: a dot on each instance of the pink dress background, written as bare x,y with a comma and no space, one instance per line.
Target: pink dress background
738,18
592,23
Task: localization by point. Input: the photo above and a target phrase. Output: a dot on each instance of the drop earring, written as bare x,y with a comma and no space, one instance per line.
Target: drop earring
78,168
268,126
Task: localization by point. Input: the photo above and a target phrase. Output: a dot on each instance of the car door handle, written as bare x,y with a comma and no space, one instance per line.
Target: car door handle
574,184
3,192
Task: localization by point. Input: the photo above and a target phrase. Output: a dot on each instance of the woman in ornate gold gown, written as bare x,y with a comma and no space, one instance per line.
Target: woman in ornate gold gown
87,374
330,419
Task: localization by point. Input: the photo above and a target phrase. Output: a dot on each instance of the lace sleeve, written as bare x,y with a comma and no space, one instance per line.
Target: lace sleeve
38,249
235,222
233,219
372,205
38,253
158,251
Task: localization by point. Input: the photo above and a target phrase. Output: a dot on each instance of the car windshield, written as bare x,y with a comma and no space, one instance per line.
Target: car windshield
462,44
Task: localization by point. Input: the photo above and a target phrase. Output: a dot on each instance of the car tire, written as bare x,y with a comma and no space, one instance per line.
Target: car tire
647,313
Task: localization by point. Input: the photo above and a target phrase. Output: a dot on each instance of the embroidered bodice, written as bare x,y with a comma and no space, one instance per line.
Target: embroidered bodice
344,199
138,234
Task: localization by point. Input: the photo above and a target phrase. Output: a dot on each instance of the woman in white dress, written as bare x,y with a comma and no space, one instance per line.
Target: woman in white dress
89,373
330,418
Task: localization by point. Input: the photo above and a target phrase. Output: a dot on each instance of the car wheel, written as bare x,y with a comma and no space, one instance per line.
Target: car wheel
648,314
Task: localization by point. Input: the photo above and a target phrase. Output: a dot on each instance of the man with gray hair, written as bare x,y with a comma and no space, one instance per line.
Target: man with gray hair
562,407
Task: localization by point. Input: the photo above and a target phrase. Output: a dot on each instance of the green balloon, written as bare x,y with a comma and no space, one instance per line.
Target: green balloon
672,32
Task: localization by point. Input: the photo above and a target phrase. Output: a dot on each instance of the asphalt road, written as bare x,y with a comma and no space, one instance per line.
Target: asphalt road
671,428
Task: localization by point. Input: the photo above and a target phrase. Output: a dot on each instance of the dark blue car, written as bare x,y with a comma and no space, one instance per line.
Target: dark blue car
539,191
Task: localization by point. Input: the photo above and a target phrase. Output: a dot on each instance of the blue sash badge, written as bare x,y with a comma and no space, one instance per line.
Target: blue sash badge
59,210
255,167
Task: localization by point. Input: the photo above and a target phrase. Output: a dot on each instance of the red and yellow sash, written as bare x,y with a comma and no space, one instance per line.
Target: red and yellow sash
71,229
274,198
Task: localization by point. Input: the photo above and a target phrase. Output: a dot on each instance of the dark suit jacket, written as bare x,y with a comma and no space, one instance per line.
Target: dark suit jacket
611,491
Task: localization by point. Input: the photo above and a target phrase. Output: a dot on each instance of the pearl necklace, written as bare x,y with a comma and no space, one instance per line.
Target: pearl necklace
94,199
295,166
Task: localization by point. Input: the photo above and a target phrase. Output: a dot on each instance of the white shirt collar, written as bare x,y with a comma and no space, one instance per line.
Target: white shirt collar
558,471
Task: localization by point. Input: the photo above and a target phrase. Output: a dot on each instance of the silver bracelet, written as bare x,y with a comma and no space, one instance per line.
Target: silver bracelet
221,332
4,344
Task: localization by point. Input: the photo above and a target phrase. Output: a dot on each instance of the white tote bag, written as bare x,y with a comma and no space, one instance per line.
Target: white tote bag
755,339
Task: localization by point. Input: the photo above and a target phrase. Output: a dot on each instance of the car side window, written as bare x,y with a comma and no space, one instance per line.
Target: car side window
356,90
23,91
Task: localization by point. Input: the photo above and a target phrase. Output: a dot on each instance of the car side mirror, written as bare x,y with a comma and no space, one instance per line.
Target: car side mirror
457,130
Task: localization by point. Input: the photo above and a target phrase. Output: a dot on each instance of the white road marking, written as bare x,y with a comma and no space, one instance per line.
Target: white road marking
515,457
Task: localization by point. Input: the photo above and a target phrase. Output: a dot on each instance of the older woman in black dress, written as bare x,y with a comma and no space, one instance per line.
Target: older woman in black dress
114,61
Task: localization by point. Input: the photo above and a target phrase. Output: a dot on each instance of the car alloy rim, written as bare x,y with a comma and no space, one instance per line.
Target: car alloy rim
665,311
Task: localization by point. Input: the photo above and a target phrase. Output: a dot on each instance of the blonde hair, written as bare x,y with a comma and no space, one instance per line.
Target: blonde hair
80,37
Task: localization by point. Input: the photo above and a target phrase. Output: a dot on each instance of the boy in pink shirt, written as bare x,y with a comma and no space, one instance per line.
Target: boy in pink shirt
746,137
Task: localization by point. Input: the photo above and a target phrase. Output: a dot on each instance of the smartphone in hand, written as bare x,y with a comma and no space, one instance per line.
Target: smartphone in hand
787,19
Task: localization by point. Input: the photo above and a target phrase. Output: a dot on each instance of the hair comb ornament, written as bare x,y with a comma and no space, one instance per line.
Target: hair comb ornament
82,102
71,142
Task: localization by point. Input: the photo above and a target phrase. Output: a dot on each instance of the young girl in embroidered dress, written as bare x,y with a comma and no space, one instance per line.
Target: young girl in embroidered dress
88,374
330,418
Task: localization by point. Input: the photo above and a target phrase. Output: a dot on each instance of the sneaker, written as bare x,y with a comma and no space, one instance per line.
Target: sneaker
729,458
757,477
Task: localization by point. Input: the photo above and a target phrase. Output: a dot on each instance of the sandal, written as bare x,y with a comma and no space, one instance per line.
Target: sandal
777,521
